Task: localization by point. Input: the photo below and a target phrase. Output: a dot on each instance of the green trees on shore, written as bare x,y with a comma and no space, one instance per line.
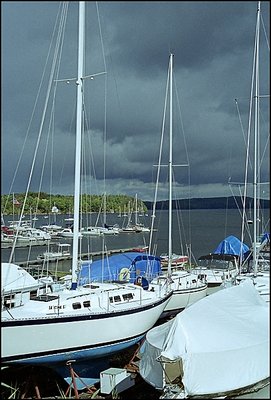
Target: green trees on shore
42,203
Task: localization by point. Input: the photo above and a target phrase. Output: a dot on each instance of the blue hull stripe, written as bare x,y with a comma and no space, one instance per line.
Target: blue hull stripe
84,352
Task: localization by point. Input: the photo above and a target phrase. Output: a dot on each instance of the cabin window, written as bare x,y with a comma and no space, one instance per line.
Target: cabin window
9,301
127,296
8,304
117,298
45,297
111,299
86,303
194,281
91,286
76,306
33,294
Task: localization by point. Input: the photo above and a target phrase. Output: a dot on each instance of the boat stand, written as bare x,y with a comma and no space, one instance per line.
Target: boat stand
77,384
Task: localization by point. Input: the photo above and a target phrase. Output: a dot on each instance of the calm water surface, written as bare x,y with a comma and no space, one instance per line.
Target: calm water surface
202,230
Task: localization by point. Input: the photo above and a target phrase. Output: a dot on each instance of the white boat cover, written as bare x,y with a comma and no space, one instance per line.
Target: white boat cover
15,278
222,341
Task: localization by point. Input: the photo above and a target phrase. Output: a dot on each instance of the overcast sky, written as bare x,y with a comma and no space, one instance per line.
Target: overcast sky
212,43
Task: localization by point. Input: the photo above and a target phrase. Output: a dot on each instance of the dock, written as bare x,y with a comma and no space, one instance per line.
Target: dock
36,264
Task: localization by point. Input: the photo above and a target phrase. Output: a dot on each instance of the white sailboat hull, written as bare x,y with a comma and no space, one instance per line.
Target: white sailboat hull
85,336
181,299
186,291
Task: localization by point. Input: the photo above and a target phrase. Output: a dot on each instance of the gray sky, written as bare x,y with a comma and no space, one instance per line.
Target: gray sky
212,43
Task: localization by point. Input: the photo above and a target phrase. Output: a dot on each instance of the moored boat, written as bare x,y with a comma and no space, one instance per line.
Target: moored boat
96,319
217,347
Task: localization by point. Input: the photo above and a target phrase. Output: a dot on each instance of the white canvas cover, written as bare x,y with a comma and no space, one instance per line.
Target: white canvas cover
15,278
222,340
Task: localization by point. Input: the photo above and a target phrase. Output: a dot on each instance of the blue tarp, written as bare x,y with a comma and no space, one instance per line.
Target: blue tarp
232,245
265,237
124,266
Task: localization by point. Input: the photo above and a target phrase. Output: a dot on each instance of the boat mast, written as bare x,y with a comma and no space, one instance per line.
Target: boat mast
77,180
136,222
170,168
256,142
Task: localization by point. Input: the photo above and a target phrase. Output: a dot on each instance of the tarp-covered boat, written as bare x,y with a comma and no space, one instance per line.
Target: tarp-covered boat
218,346
120,267
232,245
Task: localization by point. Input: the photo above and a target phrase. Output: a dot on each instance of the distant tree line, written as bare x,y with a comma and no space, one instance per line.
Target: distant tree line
208,203
42,203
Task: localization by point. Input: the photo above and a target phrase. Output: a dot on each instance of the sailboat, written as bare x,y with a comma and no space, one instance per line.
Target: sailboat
219,347
222,265
78,322
187,288
101,230
137,227
260,278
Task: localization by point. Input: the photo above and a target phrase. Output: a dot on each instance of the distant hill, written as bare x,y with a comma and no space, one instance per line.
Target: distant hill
206,203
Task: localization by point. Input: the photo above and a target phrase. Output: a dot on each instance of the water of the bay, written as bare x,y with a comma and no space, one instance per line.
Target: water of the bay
201,230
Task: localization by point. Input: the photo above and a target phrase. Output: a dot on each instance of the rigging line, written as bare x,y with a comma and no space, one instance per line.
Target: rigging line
103,52
181,120
181,228
256,146
159,164
37,146
84,165
242,128
266,143
61,39
105,110
65,158
34,108
249,128
242,214
101,36
66,148
187,156
105,98
51,122
226,217
89,136
265,34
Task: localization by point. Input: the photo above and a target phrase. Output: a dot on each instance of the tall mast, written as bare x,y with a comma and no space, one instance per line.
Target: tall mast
170,169
256,143
136,209
79,84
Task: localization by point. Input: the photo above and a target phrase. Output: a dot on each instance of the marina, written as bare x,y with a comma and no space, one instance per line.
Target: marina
104,295
218,225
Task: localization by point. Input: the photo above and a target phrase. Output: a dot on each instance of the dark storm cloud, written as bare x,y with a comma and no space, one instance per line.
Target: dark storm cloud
212,44
197,31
